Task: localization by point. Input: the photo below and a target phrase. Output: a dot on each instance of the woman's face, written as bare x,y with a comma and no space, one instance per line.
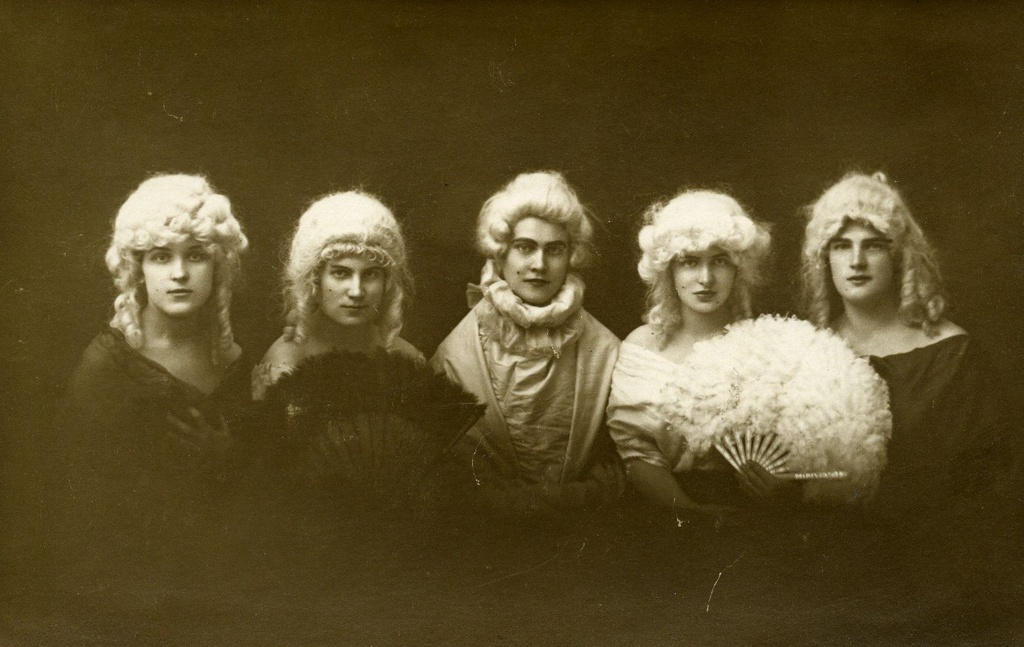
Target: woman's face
703,280
537,261
351,289
863,270
178,277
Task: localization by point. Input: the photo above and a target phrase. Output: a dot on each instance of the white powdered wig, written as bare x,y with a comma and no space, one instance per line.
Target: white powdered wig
342,224
166,209
695,221
871,200
545,195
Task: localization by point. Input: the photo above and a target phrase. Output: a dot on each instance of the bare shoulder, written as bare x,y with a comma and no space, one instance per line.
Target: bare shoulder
405,349
943,330
285,352
644,337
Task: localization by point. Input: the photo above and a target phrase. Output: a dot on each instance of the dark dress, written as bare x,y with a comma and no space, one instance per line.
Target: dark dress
932,556
945,506
135,485
952,430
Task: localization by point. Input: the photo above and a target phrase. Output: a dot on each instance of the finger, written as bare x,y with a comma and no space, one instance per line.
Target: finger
757,470
180,425
183,432
201,421
743,480
765,478
758,486
746,484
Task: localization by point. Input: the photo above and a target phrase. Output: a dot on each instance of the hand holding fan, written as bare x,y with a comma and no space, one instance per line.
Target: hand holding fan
769,451
786,395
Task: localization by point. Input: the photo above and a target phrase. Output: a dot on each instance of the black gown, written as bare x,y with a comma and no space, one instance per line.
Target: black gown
952,431
136,488
946,506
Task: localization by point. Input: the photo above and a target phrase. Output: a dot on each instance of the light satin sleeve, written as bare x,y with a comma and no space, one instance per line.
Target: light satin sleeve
633,421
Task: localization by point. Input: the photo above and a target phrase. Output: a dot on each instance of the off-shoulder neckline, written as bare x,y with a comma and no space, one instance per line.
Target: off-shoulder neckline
117,338
962,337
652,353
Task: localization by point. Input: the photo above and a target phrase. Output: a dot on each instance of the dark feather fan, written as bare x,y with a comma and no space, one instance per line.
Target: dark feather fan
369,430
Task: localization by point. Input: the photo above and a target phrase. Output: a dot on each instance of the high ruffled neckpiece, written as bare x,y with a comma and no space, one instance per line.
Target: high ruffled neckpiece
525,329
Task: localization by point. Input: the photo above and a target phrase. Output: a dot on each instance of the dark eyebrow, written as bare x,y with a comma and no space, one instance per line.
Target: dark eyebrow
532,242
868,239
338,263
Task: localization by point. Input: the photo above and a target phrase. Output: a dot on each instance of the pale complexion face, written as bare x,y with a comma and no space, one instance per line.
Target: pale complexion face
703,280
537,261
179,277
863,270
351,290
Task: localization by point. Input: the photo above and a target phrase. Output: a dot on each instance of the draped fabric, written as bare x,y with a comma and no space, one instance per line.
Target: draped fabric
579,413
947,502
133,479
641,432
636,426
537,433
952,430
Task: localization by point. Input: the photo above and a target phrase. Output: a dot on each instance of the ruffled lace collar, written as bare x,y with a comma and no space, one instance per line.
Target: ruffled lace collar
522,328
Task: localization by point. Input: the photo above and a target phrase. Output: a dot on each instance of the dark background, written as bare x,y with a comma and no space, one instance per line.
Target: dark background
434,106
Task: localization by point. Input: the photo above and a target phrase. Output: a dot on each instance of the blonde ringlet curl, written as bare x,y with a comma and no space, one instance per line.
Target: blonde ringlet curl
352,223
165,209
695,221
542,194
872,201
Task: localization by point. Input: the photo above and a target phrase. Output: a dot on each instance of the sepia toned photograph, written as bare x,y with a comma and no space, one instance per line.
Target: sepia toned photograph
511,323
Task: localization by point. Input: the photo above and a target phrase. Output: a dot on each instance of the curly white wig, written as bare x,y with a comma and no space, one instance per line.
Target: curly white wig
344,224
544,195
870,200
169,209
695,221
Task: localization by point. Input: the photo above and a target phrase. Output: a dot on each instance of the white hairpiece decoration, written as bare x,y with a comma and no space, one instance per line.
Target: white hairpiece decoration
350,217
692,222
